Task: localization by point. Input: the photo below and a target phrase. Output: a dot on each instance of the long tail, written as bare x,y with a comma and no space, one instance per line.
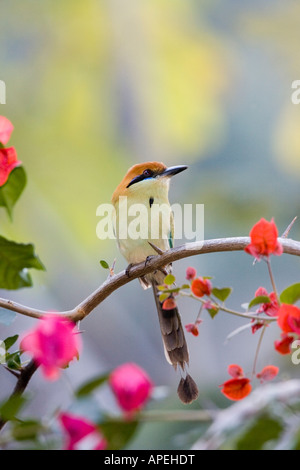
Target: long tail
175,347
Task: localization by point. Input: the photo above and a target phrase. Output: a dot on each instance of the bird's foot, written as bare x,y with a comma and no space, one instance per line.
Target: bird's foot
127,270
148,259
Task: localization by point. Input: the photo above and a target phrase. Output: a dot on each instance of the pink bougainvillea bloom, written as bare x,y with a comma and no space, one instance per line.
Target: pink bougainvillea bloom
269,308
81,433
283,346
193,328
268,373
131,386
169,304
8,161
264,240
6,129
237,388
191,273
53,343
257,325
289,318
235,371
201,287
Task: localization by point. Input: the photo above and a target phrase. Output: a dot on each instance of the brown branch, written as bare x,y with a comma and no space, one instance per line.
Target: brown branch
21,384
116,281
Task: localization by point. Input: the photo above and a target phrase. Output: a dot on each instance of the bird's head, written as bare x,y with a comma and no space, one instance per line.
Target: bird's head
142,174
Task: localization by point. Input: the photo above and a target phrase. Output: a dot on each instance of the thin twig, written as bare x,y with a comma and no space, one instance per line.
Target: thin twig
258,349
251,316
272,279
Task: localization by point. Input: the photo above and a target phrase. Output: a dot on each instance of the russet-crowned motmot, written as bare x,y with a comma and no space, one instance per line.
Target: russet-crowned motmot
143,190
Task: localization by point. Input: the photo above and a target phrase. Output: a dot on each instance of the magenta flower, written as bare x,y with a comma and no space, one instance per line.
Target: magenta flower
191,273
81,433
8,161
131,386
6,129
270,308
53,344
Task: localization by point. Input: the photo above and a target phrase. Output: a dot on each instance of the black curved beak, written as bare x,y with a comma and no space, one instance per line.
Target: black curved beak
173,170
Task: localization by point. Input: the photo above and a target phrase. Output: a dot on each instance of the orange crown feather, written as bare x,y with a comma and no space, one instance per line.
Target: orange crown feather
134,171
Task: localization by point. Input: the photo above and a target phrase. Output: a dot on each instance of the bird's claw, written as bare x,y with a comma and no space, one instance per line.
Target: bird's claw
148,259
127,270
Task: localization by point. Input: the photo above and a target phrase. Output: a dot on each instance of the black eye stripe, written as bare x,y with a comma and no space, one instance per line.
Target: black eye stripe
146,174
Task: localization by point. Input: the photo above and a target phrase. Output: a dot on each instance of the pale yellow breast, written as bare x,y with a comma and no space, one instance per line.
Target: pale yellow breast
143,216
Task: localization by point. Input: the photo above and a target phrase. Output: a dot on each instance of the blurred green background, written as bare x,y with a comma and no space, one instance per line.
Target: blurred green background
94,87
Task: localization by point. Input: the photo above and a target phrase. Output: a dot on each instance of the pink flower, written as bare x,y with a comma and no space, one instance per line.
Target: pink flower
237,388
8,161
289,318
193,327
191,273
283,345
81,433
131,386
201,287
268,373
169,304
235,371
264,241
52,343
270,308
6,129
257,324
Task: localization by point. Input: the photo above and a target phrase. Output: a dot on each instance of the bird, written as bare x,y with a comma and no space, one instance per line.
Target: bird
143,190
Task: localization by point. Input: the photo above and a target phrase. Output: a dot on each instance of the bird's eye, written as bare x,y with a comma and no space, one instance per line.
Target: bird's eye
147,172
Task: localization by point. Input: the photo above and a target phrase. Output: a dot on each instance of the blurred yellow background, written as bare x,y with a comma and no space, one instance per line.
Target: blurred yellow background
94,87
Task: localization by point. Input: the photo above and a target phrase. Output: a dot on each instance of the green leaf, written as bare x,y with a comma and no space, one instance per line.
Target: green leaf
221,294
91,385
14,259
169,279
291,294
260,299
104,264
2,145
170,291
26,430
12,189
10,408
118,433
185,286
7,316
213,312
13,360
263,430
10,341
163,296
